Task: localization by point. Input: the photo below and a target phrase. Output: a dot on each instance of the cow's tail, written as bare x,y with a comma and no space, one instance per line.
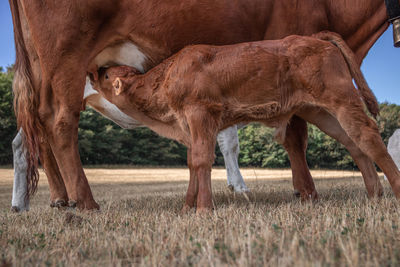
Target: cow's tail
26,102
366,93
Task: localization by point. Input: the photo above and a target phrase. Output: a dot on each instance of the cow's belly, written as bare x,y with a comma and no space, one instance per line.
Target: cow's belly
122,54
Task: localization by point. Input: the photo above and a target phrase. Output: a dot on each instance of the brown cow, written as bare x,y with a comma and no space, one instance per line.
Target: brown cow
203,89
57,41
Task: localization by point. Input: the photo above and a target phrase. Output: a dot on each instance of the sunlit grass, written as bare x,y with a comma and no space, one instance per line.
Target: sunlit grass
140,223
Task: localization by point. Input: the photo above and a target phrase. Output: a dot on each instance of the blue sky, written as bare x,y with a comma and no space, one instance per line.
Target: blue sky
380,67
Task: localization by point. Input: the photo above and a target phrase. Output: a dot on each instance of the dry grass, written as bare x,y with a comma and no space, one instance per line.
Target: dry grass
140,223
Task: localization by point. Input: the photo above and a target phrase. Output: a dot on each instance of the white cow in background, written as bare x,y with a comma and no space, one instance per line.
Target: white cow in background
227,141
394,148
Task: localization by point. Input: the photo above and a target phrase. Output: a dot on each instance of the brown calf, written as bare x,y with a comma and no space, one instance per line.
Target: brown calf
203,89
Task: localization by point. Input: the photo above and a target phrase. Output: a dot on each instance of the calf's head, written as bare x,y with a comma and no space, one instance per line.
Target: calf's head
114,80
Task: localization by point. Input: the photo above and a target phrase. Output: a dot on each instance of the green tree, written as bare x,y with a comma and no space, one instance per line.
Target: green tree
259,149
8,124
388,120
103,142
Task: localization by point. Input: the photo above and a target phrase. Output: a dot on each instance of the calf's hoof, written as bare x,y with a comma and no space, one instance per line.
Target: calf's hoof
85,205
376,194
296,193
305,197
204,211
187,209
59,203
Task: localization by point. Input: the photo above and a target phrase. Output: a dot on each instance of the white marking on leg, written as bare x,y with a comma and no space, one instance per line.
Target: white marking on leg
20,173
229,145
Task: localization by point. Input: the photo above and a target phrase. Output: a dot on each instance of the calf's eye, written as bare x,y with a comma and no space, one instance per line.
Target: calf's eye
106,76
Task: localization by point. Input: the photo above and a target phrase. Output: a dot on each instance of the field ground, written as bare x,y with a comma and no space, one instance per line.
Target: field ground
140,223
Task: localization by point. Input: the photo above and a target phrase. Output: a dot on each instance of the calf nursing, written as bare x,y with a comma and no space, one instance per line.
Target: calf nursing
203,89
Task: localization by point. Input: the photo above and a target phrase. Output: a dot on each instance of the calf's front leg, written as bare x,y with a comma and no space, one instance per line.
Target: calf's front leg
193,188
203,132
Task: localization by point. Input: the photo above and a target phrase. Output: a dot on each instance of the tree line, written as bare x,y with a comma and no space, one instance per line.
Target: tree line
103,142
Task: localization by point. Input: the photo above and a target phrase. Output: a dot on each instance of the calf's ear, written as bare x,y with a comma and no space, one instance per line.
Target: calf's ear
93,72
118,85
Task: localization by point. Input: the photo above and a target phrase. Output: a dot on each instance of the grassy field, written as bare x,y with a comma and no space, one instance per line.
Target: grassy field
140,223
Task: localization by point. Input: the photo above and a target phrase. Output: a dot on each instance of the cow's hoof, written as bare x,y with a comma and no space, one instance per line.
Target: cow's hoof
296,193
72,203
15,209
59,203
246,196
238,189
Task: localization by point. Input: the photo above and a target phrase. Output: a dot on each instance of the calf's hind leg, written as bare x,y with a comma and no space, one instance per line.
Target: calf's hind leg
328,124
364,133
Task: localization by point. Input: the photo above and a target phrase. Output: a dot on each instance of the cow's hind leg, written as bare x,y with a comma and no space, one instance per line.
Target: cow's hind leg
229,145
364,133
295,144
328,124
58,193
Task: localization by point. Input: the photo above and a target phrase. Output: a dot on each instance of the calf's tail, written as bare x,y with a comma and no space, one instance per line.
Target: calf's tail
366,94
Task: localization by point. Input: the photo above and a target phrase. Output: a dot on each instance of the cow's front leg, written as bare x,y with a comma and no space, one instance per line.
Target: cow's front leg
229,145
295,144
61,124
58,192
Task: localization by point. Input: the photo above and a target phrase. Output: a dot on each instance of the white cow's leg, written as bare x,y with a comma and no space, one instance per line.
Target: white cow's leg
229,145
19,201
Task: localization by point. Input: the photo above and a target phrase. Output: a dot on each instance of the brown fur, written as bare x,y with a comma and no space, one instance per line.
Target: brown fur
365,92
205,89
64,36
